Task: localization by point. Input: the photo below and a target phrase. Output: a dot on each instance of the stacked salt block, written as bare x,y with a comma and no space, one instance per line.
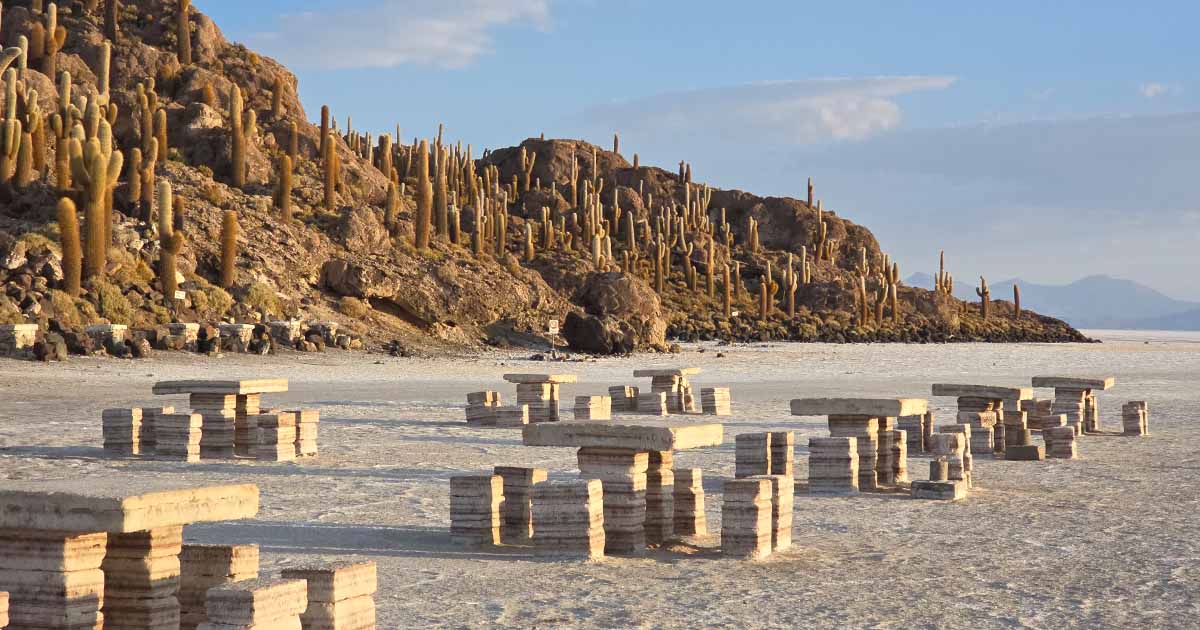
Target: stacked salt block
1016,423
122,429
623,472
308,422
256,605
783,453
624,398
17,339
568,517
1060,442
832,465
517,510
715,401
952,447
865,430
652,404
149,421
752,455
203,567
141,580
245,434
540,392
899,441
914,428
689,503
513,416
968,459
1135,418
1091,414
276,437
593,408
475,502
219,413
481,408
983,424
1050,421
178,436
939,487
885,463
679,393
746,518
340,596
660,497
53,579
1073,404
783,492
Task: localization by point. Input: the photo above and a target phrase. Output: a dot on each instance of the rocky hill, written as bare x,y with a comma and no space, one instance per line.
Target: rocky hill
200,191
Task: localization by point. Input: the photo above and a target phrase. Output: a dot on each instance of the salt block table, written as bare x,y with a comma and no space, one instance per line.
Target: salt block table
1005,402
634,462
672,382
72,552
540,393
861,418
225,407
1075,397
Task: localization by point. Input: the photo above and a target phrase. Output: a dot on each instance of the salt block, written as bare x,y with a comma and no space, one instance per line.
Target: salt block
873,407
336,582
256,601
1030,453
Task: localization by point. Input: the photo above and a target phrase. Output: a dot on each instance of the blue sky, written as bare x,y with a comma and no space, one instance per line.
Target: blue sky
1034,139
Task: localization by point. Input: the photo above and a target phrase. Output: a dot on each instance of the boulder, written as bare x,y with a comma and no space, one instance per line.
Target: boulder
598,335
626,299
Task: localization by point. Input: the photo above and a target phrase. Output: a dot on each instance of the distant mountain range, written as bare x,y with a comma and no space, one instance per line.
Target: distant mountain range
1092,302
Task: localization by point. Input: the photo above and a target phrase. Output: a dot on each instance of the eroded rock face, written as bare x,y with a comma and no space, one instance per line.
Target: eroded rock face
624,304
598,335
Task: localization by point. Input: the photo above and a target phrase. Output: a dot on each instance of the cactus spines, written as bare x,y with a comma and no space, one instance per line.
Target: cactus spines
283,189
183,33
229,236
424,198
1016,301
72,256
238,123
985,297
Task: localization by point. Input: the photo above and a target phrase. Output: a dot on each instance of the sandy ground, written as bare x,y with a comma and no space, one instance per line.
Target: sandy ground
1110,540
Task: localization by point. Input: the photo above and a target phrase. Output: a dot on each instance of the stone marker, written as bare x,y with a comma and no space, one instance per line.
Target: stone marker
340,596
746,518
1060,442
568,518
1135,418
517,510
689,503
715,401
254,604
593,408
207,566
475,505
832,465
122,431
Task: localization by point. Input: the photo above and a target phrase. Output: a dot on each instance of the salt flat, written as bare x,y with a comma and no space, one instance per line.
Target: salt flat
1110,540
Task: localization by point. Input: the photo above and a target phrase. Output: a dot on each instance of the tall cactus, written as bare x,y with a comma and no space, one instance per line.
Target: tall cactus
229,236
72,256
441,202
112,11
282,196
391,211
331,163
241,126
94,172
183,33
53,37
170,244
985,297
424,197
1016,301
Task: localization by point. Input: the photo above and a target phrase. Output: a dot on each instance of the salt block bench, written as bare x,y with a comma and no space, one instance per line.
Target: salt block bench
672,381
75,533
864,419
1075,397
539,392
632,460
986,406
226,406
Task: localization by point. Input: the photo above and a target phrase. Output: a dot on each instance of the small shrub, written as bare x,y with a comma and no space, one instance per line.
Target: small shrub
9,313
111,303
353,307
261,299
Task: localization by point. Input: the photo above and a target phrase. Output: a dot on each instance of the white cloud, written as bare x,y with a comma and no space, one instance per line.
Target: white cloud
1154,89
779,112
390,33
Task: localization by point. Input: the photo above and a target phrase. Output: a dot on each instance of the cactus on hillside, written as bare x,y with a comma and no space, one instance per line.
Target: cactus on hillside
241,125
331,164
72,256
47,41
229,236
985,297
183,33
160,135
282,196
1016,301
424,198
170,243
94,171
112,12
441,203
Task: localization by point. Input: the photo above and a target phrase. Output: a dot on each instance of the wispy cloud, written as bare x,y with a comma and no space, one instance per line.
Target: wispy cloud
1155,90
778,112
390,33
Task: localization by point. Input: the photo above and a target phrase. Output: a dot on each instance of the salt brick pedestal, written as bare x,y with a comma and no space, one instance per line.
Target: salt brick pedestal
71,558
746,518
207,566
832,465
541,393
517,510
226,408
569,518
861,418
689,503
340,596
1075,398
